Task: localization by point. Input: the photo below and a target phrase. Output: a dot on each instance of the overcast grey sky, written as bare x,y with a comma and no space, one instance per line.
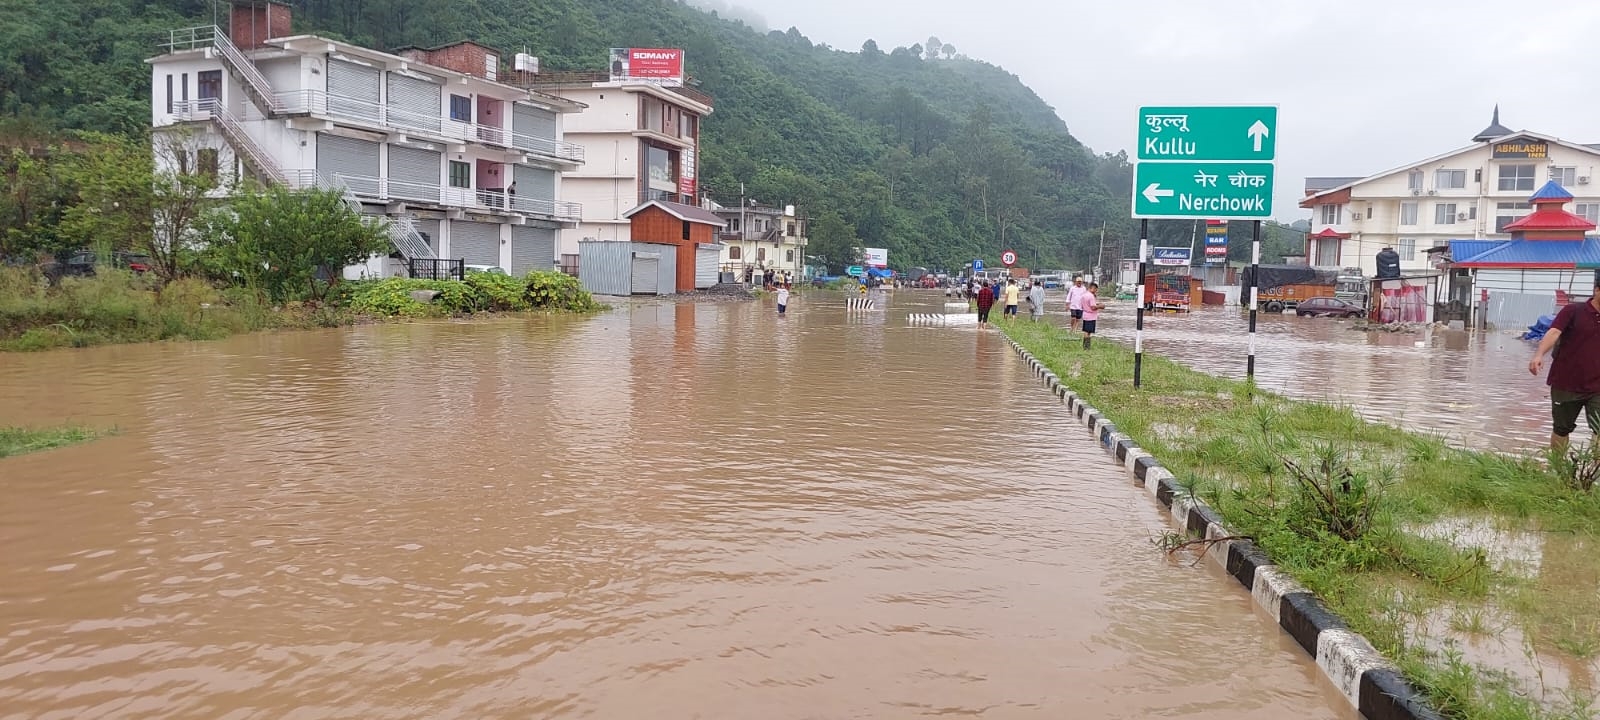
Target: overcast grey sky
1362,85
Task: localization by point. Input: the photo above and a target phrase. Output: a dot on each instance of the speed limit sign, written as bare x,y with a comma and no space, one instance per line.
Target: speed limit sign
1008,258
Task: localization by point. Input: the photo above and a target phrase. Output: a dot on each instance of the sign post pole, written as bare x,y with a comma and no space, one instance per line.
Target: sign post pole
1138,316
1203,162
1255,295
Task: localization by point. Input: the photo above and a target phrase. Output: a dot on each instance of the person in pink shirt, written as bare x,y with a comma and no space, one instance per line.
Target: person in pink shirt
1090,306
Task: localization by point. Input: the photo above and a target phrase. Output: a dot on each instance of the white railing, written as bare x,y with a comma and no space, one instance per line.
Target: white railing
238,138
385,189
210,36
319,102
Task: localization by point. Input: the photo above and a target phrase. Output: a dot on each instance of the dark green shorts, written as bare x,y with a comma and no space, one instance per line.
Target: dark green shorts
1565,406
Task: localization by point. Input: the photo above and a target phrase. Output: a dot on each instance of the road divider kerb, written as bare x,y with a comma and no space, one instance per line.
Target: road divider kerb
1367,680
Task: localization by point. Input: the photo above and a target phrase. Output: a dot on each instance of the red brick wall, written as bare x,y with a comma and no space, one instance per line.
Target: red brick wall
251,26
463,57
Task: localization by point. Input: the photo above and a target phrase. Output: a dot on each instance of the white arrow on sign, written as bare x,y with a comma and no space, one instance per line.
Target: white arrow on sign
1154,193
1258,132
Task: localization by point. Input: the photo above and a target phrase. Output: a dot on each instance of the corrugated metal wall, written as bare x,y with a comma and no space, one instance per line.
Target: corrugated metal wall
606,268
1518,297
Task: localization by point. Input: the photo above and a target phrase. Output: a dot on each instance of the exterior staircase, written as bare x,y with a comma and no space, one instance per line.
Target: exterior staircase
403,233
240,66
243,145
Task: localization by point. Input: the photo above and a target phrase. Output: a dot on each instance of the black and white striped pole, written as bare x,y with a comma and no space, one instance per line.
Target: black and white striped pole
1255,294
1138,317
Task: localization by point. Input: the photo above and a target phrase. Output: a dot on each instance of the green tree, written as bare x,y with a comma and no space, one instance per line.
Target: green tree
833,242
295,243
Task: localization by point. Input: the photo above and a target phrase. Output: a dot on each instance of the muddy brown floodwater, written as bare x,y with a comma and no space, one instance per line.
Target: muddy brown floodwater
666,511
1472,388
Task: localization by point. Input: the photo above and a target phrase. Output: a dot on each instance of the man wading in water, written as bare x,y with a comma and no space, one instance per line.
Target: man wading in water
1575,372
1073,293
985,301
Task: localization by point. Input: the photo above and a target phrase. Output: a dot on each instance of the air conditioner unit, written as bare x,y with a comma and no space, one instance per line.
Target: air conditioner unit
1583,179
1461,216
1433,192
1415,192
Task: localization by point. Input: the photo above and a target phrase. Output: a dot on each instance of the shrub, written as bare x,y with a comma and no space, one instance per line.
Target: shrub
500,292
551,290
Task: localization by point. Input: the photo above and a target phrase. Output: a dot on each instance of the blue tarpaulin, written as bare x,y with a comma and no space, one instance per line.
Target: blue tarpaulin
1537,330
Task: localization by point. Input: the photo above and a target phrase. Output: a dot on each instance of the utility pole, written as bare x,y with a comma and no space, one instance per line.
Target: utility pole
743,230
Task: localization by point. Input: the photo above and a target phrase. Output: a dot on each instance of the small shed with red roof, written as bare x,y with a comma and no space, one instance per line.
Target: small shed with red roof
1539,266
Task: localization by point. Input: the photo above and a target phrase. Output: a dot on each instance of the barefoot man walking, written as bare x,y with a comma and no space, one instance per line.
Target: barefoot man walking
1575,371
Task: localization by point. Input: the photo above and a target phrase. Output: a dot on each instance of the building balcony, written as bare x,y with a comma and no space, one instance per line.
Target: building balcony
477,200
378,116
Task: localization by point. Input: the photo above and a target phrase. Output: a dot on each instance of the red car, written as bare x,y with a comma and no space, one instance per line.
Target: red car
1329,307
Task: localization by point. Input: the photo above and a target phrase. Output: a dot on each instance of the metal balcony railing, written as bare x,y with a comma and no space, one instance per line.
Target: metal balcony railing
378,115
385,189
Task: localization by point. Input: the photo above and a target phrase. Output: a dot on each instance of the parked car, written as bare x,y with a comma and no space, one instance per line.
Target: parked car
1329,307
491,269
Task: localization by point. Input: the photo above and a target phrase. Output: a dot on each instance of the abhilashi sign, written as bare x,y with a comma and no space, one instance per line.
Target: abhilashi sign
658,65
1521,149
1216,242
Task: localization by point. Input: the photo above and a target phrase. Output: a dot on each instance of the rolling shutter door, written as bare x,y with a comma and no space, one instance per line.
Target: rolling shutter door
414,103
529,121
353,90
353,161
705,266
430,231
531,249
476,243
414,173
535,183
645,269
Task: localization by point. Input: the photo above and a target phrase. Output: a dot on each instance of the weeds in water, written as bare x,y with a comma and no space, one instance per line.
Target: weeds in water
17,440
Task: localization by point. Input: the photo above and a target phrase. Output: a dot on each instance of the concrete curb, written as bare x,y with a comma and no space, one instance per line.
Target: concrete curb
1371,684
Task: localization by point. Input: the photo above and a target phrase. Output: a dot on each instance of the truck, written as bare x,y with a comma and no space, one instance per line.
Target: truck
1171,291
1284,286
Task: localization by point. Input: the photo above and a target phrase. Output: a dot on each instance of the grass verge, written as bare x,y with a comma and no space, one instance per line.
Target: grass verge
1345,505
18,440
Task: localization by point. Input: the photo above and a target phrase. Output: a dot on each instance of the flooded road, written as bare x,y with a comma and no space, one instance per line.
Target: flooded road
668,511
1474,389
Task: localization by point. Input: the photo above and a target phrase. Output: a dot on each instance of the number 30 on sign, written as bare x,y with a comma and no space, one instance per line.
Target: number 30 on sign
1008,258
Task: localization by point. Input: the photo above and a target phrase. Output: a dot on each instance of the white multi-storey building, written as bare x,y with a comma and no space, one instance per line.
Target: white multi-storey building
639,139
1470,193
464,165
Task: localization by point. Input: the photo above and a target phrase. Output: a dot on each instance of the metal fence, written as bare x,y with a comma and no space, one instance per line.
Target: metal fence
437,268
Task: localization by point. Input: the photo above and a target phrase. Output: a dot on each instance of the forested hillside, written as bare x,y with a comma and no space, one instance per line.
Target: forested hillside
938,157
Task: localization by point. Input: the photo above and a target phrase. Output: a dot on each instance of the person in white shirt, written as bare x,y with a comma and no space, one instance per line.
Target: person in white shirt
1073,293
1036,301
783,299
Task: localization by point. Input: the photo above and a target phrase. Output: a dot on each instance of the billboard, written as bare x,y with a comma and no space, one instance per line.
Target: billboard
686,172
1216,242
875,257
1170,256
659,65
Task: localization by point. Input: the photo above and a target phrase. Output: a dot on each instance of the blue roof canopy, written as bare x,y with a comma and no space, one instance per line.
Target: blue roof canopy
1552,190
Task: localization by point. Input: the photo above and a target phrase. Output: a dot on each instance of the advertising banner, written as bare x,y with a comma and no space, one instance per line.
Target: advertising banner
660,65
875,257
1216,242
1170,256
686,182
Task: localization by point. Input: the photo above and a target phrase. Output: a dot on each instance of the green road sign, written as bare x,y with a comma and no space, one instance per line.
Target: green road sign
1234,190
855,271
1208,133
